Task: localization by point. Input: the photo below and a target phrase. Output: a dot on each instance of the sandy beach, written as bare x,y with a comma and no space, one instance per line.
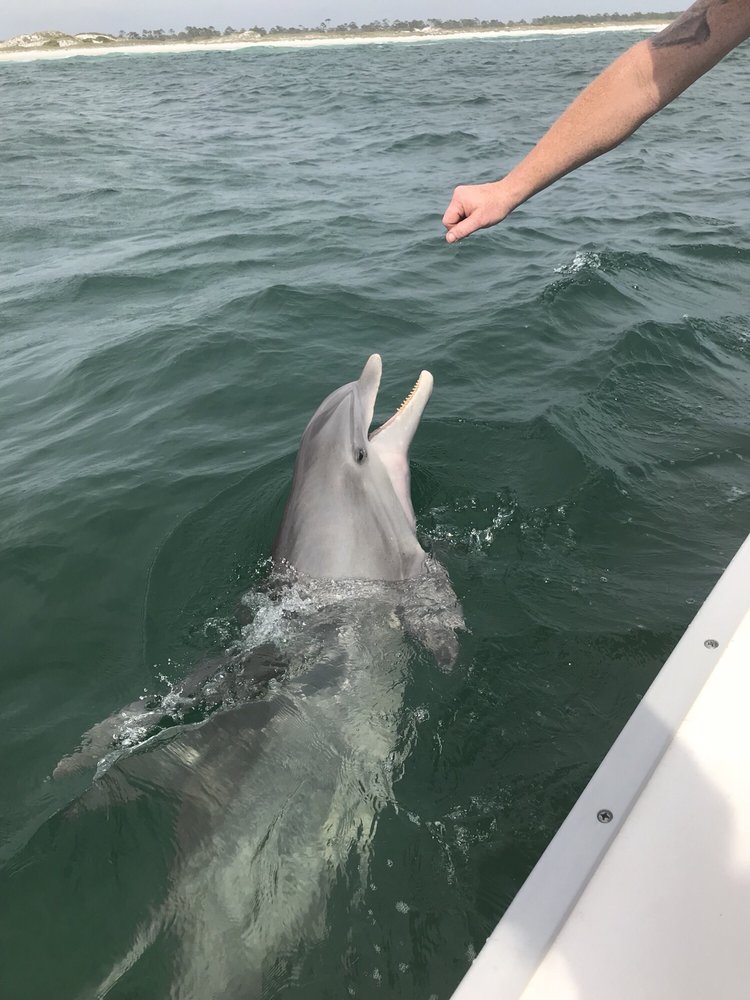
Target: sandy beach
311,41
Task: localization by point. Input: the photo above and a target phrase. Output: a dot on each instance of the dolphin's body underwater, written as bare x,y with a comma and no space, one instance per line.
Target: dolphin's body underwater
282,791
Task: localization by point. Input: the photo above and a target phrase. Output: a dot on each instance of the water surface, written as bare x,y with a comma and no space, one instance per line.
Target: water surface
197,249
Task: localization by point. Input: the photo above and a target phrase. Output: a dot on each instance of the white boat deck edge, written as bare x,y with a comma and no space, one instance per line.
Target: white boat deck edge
656,902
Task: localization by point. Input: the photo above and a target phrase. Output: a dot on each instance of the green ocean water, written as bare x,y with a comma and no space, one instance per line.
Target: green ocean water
197,248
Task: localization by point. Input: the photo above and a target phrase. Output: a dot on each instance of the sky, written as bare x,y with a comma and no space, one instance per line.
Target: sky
135,15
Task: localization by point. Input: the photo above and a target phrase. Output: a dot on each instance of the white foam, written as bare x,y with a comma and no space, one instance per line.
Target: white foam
583,259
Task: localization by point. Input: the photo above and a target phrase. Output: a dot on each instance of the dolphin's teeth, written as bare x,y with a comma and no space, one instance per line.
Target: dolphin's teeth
408,398
393,416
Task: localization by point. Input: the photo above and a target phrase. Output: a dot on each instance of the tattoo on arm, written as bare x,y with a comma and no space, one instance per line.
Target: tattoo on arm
690,28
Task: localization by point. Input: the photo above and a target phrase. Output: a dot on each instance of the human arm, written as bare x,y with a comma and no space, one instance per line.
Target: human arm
640,82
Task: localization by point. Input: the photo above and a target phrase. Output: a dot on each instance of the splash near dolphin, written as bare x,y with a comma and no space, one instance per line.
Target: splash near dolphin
280,783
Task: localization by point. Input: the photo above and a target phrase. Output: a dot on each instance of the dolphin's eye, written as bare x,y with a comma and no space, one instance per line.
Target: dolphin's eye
360,455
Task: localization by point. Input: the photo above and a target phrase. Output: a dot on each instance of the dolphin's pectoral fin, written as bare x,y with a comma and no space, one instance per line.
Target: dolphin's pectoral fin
231,679
444,648
430,612
437,636
106,736
114,736
440,642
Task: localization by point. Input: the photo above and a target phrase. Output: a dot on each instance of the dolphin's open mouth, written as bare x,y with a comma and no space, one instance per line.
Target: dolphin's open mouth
398,430
390,442
414,394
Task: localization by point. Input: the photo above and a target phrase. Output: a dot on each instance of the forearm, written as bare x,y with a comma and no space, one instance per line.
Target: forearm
635,86
610,109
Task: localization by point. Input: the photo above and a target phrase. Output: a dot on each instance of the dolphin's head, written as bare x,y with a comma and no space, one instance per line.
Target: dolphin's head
349,513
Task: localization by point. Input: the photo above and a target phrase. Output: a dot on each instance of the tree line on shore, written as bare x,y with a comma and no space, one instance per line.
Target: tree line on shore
193,33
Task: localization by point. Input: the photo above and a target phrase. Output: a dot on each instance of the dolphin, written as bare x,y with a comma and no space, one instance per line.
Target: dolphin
349,514
278,790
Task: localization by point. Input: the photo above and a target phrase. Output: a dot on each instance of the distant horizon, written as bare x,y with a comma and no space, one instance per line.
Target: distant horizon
86,15
416,25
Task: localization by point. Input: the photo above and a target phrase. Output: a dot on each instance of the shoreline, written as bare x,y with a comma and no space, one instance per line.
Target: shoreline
314,41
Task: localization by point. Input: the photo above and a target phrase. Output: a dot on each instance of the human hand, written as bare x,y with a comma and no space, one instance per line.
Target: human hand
475,206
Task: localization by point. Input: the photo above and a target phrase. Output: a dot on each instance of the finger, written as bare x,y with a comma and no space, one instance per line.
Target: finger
454,212
464,228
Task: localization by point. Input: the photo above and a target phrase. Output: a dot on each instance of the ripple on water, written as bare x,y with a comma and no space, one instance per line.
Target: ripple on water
200,248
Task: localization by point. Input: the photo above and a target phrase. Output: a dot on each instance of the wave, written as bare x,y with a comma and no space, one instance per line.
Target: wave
432,140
